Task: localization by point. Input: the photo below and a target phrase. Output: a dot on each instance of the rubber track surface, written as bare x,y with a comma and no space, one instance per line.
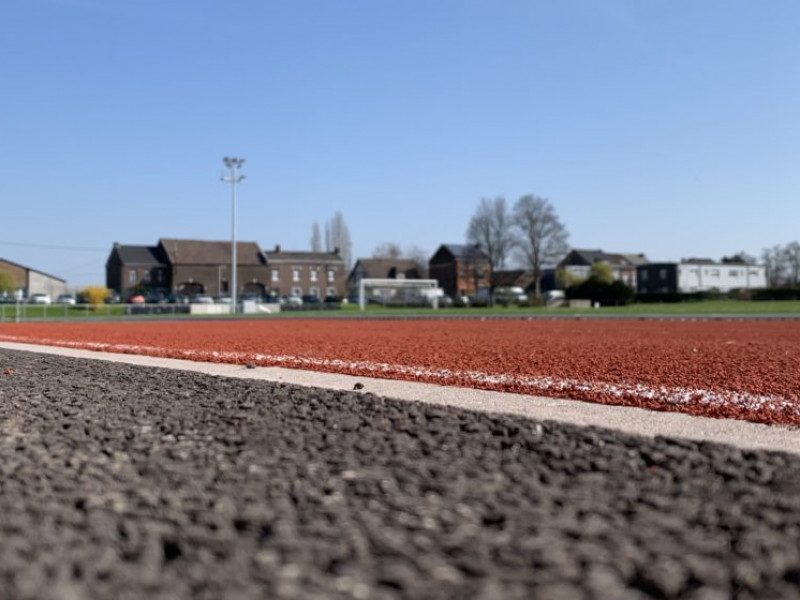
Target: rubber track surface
126,482
731,369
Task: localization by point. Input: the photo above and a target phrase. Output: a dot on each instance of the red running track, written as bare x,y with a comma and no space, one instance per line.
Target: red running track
729,369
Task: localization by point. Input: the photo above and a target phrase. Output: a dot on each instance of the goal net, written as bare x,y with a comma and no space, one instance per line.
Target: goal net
399,292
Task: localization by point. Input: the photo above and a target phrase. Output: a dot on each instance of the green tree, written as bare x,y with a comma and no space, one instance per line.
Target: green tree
602,272
566,279
7,282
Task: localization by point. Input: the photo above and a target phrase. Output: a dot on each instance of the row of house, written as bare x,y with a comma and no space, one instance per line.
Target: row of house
203,267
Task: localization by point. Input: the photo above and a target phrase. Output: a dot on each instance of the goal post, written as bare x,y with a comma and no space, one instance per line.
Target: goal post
427,289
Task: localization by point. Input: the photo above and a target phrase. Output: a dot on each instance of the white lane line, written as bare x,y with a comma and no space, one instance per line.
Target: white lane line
551,386
636,421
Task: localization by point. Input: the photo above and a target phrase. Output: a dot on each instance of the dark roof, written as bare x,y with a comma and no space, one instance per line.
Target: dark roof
466,251
11,262
698,261
388,268
511,278
590,257
141,255
203,252
279,255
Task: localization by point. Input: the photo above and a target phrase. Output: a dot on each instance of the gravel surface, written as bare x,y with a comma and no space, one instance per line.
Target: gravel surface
127,482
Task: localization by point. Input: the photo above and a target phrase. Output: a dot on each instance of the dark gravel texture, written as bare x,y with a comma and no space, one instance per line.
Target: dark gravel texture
127,482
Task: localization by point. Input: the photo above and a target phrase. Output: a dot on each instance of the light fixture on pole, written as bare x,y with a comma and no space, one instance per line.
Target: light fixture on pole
234,164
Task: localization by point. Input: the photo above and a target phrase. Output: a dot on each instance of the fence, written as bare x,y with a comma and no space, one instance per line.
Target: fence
11,313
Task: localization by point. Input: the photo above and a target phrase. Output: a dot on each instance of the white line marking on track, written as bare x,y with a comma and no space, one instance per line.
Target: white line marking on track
552,386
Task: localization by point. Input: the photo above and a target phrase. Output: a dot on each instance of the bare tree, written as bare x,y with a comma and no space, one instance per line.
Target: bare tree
387,250
791,256
774,260
316,238
543,237
337,235
420,258
491,229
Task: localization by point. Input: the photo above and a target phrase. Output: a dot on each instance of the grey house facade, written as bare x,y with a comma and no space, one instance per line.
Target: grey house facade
32,281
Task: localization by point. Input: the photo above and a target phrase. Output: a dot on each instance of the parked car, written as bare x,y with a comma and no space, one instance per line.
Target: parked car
291,301
66,299
311,299
136,299
40,299
178,299
202,299
510,295
224,300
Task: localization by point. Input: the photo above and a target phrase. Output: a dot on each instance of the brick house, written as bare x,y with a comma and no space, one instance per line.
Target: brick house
381,268
461,270
579,263
32,281
303,273
185,267
204,267
130,267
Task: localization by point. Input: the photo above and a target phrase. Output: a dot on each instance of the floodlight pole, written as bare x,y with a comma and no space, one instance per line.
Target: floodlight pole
234,164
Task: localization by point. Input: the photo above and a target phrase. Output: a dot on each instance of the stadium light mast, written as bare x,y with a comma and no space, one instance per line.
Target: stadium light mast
234,164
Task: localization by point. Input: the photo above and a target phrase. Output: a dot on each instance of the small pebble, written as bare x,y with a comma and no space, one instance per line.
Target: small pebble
250,366
358,386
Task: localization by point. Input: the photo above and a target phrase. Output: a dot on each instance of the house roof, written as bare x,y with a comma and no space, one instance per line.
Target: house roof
513,277
386,268
465,251
590,257
279,255
29,269
635,259
205,252
141,255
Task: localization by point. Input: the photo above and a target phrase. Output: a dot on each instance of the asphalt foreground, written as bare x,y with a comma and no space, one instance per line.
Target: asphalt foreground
128,482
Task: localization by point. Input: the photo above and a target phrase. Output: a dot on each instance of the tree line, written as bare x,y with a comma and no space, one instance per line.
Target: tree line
530,231
783,264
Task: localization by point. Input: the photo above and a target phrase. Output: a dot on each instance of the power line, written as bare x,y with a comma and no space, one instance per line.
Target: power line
53,247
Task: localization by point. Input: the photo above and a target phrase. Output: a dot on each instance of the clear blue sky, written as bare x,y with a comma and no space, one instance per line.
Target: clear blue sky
668,127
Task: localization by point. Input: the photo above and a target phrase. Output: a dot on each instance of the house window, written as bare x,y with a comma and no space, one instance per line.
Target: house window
295,273
314,274
331,274
146,276
159,276
296,291
276,275
331,291
644,275
733,272
132,276
314,291
662,274
715,272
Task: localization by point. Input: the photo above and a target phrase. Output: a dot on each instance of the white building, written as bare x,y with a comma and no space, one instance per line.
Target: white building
699,276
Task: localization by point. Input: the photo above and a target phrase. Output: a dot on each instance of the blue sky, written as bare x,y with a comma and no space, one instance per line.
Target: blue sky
668,127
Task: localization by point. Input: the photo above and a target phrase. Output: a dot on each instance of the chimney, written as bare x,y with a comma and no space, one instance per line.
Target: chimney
277,248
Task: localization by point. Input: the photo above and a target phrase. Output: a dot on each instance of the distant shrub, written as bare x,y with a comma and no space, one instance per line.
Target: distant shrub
615,293
96,294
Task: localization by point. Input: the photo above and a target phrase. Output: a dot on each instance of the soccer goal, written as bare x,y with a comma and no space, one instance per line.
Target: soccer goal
387,291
